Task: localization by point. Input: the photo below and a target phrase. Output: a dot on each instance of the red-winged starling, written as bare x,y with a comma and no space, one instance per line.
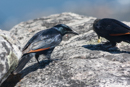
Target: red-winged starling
43,42
112,29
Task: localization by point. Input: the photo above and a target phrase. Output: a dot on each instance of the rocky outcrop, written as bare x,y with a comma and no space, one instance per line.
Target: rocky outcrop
79,61
9,55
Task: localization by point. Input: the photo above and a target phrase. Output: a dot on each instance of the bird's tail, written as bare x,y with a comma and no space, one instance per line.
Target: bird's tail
24,59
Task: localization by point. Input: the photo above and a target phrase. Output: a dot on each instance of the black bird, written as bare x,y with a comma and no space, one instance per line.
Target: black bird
43,42
112,29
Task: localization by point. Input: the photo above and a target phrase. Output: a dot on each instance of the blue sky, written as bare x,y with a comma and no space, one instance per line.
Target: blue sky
13,12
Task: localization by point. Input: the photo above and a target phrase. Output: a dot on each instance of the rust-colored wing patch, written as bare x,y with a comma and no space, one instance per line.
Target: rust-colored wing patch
31,51
120,34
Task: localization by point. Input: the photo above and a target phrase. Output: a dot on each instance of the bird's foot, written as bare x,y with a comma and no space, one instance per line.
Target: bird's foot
44,63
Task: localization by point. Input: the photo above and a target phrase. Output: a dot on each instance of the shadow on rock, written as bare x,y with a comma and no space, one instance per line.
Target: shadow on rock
34,67
104,47
12,80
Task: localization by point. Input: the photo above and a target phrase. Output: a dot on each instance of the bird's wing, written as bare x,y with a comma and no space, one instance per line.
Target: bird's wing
44,42
122,24
31,40
118,28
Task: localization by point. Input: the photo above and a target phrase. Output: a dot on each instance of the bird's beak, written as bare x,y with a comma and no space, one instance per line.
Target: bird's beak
72,32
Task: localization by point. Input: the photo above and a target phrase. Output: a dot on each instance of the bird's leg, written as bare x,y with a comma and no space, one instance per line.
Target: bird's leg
99,39
49,55
49,58
113,44
37,56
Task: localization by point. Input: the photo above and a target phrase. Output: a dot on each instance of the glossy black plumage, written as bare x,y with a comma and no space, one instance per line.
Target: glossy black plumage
112,29
43,42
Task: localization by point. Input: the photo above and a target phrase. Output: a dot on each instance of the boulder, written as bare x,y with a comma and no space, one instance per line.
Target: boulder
9,55
79,61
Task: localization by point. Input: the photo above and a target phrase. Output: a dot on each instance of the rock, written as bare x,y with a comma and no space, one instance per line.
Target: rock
9,55
80,61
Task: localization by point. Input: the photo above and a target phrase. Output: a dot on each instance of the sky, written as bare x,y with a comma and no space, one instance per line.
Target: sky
13,12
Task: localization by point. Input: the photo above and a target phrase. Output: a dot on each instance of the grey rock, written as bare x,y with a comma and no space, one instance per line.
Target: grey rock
9,55
79,61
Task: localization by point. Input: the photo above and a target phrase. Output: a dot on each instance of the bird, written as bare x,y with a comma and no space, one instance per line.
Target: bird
113,30
44,43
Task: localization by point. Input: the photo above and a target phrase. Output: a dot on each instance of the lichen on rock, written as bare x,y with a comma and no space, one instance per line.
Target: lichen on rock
9,55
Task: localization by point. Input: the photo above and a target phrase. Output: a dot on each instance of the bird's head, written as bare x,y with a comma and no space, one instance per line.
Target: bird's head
64,29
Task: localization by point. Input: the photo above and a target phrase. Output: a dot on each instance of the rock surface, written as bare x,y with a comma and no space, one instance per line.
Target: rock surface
79,60
9,55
